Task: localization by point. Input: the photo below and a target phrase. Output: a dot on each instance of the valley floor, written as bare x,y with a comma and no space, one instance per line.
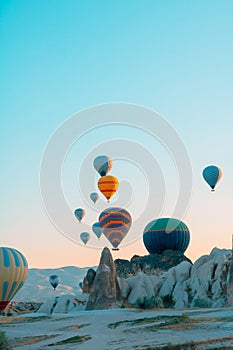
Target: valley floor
122,329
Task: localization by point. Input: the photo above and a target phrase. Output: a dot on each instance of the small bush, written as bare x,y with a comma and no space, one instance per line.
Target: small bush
201,303
168,301
149,303
4,342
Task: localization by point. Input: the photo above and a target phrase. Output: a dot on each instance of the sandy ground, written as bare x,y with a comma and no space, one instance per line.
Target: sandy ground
134,330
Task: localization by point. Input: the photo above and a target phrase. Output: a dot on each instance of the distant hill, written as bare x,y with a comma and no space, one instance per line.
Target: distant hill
37,287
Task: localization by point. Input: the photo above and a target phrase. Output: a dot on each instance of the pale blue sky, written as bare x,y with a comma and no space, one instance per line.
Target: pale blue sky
59,57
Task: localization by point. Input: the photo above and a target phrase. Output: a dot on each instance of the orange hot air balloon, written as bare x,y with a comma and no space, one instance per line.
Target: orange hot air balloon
108,185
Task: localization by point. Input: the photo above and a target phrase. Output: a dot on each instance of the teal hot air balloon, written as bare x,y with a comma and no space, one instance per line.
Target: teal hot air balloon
79,213
96,228
54,280
212,175
85,236
13,273
166,234
115,224
94,197
103,165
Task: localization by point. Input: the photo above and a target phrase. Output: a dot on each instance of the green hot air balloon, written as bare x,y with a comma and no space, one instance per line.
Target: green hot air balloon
166,234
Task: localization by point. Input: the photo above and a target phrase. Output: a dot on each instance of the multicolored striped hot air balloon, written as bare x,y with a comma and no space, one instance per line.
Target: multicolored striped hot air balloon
115,223
212,175
166,234
13,273
54,280
108,185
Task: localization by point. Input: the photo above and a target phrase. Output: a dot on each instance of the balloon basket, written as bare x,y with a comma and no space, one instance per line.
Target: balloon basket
115,249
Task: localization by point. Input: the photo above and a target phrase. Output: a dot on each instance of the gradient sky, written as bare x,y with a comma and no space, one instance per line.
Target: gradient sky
60,57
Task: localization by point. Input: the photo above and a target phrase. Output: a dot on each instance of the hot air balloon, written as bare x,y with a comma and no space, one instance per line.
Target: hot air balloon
80,285
108,185
96,228
166,234
212,175
103,165
54,281
13,273
94,197
79,213
115,224
85,236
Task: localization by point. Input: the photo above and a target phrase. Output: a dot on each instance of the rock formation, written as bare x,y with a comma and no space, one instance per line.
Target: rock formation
149,264
206,283
88,281
105,292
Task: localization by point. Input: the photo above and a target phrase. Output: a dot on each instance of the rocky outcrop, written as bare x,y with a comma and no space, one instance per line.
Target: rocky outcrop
88,281
149,264
105,292
64,304
203,284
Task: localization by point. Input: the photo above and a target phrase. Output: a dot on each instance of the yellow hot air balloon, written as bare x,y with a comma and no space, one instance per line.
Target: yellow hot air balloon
13,273
108,185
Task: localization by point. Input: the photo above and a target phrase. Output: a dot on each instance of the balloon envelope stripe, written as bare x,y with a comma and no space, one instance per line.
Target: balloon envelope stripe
12,290
16,257
6,257
25,264
4,290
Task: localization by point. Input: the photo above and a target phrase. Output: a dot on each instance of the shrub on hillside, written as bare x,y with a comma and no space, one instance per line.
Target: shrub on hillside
168,301
201,303
4,342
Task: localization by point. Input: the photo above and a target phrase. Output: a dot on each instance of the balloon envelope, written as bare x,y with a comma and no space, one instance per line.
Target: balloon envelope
166,234
103,165
94,197
212,175
108,186
96,228
115,223
13,273
79,213
85,236
54,281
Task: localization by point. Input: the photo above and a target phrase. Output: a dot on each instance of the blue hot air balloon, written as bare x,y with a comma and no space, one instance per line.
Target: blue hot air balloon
54,280
103,165
115,224
166,234
80,285
96,228
94,197
85,236
212,175
79,213
13,273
